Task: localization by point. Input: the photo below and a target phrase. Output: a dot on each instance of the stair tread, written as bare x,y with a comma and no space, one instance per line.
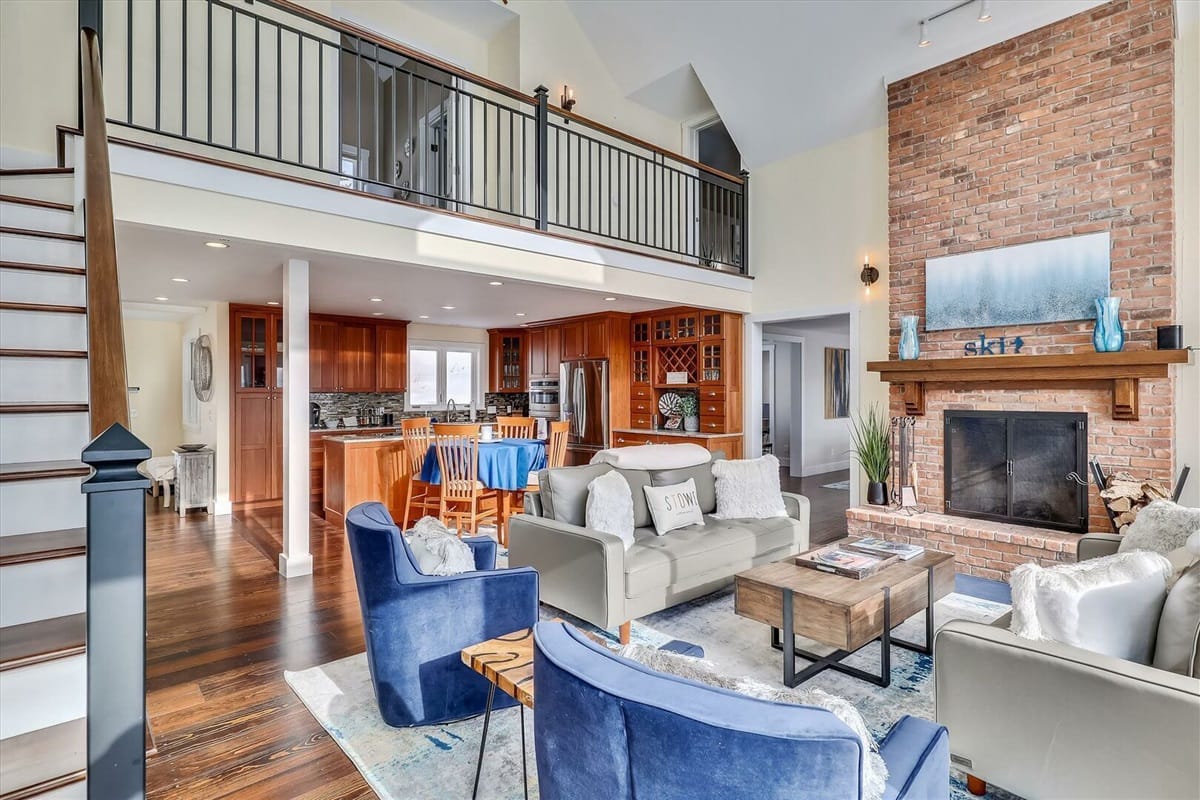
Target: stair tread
33,201
35,470
11,352
38,171
40,234
30,267
41,641
46,307
43,759
40,407
43,545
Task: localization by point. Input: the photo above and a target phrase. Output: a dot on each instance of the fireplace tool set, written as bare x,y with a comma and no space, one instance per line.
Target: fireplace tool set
904,472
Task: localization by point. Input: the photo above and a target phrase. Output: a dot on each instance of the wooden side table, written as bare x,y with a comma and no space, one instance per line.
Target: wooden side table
842,612
195,478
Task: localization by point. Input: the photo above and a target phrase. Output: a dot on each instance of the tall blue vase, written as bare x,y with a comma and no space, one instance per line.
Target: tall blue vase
1108,336
910,348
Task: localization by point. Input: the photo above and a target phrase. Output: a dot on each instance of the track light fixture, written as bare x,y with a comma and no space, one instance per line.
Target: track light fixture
985,15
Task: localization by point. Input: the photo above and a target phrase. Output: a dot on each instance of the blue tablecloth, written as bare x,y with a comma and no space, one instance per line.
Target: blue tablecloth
503,464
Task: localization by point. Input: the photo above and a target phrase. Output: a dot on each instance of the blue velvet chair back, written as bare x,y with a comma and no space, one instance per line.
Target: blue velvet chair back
416,625
608,727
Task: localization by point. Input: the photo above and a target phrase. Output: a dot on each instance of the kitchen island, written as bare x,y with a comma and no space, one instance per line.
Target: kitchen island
360,467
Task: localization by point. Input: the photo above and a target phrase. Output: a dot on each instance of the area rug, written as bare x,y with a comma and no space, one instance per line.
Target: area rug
842,485
439,761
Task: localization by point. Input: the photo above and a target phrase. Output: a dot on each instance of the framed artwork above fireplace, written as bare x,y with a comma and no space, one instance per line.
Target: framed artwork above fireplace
1055,280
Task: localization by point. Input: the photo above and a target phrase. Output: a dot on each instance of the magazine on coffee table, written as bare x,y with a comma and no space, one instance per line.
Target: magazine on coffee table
883,547
841,561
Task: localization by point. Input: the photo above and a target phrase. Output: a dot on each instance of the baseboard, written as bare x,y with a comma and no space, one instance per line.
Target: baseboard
223,507
818,469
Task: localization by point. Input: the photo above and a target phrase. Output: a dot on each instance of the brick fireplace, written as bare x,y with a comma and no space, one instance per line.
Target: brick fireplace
1064,131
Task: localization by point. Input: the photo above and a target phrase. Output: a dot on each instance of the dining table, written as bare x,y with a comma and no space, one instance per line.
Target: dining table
504,465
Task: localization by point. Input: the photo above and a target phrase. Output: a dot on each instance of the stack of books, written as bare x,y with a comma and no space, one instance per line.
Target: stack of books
882,547
843,561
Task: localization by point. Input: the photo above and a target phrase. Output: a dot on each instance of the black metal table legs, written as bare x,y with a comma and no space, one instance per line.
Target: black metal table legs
833,660
487,718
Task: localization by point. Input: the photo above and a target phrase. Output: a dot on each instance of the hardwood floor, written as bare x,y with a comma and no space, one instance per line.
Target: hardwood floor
222,626
827,520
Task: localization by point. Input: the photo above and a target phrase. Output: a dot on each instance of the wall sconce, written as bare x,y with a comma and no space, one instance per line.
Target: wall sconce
567,101
868,276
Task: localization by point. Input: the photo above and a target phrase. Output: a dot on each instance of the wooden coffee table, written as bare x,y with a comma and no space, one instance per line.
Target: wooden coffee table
841,612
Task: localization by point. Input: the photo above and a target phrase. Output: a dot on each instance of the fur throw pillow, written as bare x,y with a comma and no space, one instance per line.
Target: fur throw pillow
439,551
748,489
1161,527
875,772
1108,605
610,506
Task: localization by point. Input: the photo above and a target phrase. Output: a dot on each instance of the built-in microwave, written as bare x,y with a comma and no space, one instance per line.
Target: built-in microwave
543,398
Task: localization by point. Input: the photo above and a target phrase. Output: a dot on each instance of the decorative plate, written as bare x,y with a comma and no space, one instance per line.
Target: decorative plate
202,368
669,405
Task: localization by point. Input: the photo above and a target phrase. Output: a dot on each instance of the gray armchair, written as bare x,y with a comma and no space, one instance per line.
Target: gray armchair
1044,719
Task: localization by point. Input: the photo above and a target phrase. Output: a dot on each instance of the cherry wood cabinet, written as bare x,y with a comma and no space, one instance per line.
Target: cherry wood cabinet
574,340
323,344
506,360
391,348
356,357
544,348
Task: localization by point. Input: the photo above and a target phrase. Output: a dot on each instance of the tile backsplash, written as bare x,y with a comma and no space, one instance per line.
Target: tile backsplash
344,404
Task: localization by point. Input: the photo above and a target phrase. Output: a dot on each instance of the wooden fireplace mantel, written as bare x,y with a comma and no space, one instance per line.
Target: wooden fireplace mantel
1123,371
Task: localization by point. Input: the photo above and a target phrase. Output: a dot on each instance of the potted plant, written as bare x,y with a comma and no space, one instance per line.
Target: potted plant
871,436
689,406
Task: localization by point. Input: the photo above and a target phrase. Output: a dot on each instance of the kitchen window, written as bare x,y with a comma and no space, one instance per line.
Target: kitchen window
440,372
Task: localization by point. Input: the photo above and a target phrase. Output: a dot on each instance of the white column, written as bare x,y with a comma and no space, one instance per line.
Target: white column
295,559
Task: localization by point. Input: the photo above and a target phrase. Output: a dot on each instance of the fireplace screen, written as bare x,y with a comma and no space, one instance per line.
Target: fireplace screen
1022,467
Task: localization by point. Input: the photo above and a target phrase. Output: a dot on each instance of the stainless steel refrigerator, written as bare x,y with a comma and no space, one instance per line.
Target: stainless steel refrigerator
583,398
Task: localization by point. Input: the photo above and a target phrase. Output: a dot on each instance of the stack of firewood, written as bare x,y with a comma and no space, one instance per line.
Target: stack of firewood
1126,495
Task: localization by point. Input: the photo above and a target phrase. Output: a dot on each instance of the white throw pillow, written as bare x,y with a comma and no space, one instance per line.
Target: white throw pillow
610,506
1161,527
875,771
1107,605
749,489
438,551
675,506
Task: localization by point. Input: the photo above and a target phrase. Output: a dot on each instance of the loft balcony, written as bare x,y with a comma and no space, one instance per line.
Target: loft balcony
274,88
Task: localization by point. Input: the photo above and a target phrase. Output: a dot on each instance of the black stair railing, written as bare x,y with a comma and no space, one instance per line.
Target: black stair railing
273,84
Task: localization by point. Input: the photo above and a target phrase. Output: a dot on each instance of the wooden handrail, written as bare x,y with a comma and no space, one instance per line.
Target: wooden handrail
108,383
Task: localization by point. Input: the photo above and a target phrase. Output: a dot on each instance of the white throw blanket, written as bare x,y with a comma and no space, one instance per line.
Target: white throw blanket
654,456
438,551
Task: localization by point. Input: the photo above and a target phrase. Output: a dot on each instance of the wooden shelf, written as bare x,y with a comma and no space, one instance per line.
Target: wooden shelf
1123,371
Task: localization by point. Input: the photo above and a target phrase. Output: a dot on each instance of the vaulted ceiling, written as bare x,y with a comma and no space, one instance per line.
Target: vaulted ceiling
791,75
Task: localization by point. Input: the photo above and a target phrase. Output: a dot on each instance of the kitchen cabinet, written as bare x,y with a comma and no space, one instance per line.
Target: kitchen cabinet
323,345
595,337
544,348
256,339
574,340
356,357
506,357
391,348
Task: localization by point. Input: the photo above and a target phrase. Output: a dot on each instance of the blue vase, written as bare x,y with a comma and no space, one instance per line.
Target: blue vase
909,347
1108,335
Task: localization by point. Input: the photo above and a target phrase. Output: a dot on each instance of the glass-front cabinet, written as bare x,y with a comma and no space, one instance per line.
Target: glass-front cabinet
260,351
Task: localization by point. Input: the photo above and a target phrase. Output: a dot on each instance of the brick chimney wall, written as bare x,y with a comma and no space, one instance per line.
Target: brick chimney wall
1066,130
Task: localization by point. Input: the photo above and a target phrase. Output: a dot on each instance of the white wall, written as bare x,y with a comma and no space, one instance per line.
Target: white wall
214,415
39,77
813,217
153,356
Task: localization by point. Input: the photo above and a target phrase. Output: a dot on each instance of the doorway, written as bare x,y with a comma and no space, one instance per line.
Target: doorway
718,229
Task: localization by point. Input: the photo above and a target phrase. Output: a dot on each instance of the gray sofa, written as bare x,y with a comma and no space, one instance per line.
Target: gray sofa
590,574
1044,719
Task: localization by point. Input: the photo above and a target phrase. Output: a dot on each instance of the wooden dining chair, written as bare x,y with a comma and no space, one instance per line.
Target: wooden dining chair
515,427
556,451
421,498
463,499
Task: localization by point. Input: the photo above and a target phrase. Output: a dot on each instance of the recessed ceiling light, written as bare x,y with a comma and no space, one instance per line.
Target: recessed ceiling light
423,316
272,302
160,298
447,308
376,313
610,299
520,313
376,299
179,280
219,244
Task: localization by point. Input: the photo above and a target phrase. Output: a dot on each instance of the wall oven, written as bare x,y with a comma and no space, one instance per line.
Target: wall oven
543,398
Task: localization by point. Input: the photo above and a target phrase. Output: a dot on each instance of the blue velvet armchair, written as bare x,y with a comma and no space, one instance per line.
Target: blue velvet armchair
608,727
416,625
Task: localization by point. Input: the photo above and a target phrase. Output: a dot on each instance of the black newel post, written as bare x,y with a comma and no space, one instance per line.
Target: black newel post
116,616
745,243
542,140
